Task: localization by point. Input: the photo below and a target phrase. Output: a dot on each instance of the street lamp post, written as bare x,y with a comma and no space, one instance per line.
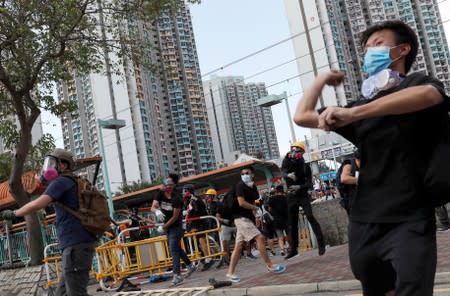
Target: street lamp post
334,155
114,124
271,100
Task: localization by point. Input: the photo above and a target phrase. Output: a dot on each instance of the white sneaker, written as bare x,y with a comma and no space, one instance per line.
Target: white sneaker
177,280
189,270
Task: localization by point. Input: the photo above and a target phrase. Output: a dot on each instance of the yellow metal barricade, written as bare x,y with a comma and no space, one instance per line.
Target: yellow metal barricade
118,260
52,265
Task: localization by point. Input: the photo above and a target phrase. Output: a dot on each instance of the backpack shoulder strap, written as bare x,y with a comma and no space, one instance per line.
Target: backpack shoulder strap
353,162
65,207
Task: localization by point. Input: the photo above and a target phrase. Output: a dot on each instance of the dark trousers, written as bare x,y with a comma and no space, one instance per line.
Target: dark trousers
174,236
294,201
76,263
400,257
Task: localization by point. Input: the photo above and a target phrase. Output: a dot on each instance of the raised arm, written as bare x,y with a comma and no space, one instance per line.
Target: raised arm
408,100
306,114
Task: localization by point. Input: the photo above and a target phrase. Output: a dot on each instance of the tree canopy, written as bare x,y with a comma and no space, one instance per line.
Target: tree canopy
46,41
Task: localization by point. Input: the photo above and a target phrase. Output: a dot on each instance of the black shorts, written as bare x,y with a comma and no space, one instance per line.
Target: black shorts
400,257
268,230
199,225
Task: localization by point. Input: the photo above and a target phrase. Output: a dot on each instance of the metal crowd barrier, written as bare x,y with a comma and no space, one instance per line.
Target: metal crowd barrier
118,259
14,244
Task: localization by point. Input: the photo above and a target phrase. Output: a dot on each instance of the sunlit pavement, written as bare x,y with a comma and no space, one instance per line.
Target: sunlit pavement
304,269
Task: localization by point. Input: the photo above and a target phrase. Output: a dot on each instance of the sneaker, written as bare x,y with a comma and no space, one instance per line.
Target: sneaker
283,253
220,264
189,270
443,229
291,255
278,268
207,265
234,278
177,280
321,249
250,255
272,252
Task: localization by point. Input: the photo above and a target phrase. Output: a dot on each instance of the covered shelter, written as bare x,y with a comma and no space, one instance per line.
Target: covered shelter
266,173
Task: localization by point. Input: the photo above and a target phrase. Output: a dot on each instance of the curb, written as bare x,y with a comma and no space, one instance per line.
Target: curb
299,289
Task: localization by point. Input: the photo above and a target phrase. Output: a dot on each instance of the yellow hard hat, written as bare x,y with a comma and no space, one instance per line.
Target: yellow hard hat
211,191
299,145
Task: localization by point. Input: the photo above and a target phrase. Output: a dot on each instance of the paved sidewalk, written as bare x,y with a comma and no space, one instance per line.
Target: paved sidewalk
306,273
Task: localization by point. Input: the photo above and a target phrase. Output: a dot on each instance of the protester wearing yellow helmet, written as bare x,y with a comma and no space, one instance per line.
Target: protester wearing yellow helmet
298,178
299,145
211,191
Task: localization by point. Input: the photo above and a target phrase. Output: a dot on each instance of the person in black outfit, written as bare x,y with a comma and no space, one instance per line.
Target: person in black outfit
298,178
197,208
278,207
392,229
226,219
170,204
349,178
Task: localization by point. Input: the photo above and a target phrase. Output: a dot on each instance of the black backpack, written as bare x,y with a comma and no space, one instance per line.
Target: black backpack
230,202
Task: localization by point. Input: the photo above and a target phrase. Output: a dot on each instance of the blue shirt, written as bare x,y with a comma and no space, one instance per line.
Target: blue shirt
69,230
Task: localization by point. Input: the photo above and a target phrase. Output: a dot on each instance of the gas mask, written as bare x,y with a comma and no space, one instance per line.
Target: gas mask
49,171
383,80
296,153
187,196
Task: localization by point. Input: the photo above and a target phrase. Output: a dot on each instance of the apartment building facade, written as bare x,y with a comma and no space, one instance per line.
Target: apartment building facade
332,39
238,124
166,126
334,29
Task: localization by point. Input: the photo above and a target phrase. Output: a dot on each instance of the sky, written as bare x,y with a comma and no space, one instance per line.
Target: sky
228,30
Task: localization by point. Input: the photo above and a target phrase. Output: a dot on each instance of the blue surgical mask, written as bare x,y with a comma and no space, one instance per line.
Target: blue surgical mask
377,59
246,178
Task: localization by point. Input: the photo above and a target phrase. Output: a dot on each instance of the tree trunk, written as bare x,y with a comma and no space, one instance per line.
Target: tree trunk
35,241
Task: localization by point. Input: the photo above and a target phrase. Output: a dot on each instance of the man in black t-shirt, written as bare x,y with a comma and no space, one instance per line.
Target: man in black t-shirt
392,238
170,203
244,219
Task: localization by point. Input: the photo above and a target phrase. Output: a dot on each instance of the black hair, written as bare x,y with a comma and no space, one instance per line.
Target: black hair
403,33
175,177
279,188
250,168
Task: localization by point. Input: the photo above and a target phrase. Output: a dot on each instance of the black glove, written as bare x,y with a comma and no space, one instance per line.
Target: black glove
7,215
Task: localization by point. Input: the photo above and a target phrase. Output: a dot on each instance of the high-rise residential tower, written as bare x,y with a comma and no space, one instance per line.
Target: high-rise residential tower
166,126
238,124
333,38
36,134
